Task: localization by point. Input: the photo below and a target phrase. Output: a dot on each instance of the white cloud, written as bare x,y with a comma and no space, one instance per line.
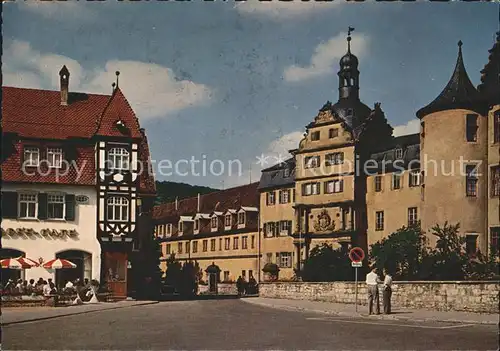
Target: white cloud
152,90
282,10
286,142
411,127
58,10
323,61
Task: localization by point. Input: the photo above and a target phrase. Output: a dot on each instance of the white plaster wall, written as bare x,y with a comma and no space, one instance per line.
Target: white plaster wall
47,247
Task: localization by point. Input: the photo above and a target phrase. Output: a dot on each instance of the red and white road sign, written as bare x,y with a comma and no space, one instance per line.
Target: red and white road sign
357,254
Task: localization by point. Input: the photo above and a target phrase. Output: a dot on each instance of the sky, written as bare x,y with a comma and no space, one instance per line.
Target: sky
225,89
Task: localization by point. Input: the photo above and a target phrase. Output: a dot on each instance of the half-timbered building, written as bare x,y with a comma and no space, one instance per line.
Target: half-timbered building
76,183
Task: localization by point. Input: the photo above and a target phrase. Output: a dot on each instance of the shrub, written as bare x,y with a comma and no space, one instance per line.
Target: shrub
326,264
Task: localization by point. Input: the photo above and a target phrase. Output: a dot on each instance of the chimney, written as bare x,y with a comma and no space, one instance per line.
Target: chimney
176,204
64,80
198,208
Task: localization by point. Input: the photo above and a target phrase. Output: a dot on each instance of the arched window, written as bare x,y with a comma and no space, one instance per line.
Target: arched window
118,158
117,209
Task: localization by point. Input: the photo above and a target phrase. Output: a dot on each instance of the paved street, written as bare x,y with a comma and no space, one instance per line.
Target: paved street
234,324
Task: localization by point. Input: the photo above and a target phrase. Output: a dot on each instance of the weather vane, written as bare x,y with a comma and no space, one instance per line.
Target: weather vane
350,29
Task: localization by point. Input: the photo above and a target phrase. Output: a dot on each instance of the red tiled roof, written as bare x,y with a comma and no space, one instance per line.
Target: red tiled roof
34,113
233,198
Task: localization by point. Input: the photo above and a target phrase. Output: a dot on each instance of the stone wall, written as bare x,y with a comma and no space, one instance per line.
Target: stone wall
222,289
472,296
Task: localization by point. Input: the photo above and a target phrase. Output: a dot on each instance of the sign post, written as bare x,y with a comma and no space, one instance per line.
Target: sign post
357,256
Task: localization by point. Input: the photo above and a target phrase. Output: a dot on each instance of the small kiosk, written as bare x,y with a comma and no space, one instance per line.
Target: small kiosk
213,273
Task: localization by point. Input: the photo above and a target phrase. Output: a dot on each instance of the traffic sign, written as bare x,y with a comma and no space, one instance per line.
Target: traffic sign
357,264
357,254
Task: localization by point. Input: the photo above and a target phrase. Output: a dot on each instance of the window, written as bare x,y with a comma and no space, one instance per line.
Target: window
179,248
333,133
471,128
422,129
205,245
293,195
334,186
350,111
496,127
311,162
195,246
235,243
167,249
244,242
118,158
286,172
399,154
228,220
181,226
269,257
169,229
226,276
196,224
414,179
212,245
55,206
285,260
285,227
214,222
220,244
269,229
187,247
310,189
117,209
250,273
243,274
378,183
241,218
284,196
227,243
28,204
471,180
54,157
252,242
270,198
494,239
495,181
315,136
396,180
379,220
336,158
471,244
31,156
412,216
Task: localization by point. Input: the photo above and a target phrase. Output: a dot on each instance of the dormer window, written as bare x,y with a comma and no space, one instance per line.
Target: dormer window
214,222
118,158
169,229
228,220
54,157
333,133
197,224
181,226
286,172
241,218
399,153
31,156
311,162
349,112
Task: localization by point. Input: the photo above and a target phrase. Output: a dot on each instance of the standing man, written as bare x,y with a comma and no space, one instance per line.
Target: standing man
372,281
387,292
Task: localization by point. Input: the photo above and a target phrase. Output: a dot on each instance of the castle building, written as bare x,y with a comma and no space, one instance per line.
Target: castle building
352,183
76,184
218,230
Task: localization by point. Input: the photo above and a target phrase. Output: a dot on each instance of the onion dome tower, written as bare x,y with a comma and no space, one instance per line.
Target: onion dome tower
349,107
490,76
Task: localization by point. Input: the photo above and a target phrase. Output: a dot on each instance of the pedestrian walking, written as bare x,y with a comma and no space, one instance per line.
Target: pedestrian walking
372,281
387,292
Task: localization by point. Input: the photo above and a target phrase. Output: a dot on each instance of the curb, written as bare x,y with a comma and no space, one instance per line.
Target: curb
76,313
380,317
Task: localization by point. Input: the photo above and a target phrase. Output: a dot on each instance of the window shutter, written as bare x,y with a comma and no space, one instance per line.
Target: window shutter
9,204
341,185
70,207
267,198
264,228
42,206
289,227
277,229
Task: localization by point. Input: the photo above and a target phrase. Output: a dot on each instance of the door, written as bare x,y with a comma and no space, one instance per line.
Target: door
116,273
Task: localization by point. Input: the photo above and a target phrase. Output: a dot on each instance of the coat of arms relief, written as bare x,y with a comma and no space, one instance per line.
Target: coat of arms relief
324,222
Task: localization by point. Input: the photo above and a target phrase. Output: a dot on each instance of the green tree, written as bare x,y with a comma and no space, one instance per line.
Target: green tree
326,264
401,253
150,269
173,272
